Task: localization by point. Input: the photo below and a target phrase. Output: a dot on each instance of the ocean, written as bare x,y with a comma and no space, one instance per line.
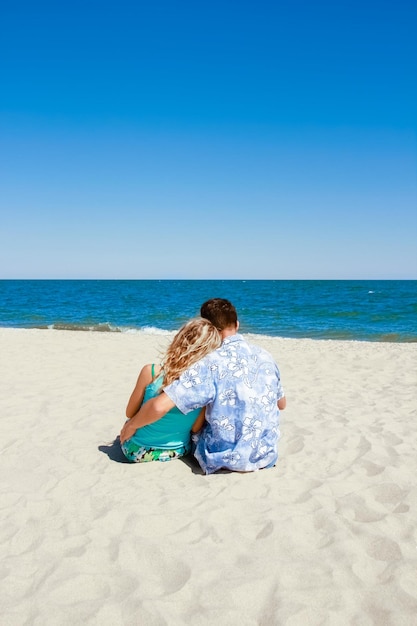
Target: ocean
361,310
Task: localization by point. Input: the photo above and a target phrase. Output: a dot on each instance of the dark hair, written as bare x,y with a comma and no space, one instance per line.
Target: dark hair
220,312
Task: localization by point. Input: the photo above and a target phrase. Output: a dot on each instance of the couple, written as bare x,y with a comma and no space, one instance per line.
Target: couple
213,383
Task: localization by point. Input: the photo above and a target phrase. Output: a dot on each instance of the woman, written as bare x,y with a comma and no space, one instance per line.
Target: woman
169,437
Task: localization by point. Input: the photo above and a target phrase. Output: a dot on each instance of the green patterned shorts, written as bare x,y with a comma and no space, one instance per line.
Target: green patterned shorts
139,454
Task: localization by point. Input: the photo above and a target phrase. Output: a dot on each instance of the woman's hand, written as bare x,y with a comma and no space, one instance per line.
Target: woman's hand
127,431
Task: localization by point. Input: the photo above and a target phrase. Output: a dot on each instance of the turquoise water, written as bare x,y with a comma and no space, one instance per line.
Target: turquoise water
352,310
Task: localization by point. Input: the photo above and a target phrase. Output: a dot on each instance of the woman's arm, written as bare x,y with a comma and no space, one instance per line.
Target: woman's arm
282,403
199,423
136,399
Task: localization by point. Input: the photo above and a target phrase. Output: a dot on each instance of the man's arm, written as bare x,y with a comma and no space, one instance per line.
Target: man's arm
282,403
150,412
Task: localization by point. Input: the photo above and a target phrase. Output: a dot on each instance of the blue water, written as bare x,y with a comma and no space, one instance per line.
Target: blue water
328,309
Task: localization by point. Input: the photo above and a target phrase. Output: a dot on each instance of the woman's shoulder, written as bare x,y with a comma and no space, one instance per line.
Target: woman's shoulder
151,371
148,373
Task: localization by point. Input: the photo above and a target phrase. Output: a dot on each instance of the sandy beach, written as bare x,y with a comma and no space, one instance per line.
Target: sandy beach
327,537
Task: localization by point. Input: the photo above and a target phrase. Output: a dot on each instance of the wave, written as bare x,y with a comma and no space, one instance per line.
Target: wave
313,334
323,335
104,327
328,335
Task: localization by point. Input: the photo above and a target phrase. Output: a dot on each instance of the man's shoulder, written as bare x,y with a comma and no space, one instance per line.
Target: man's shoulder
258,350
235,345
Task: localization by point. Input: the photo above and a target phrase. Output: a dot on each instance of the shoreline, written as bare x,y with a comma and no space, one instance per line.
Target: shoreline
156,332
327,536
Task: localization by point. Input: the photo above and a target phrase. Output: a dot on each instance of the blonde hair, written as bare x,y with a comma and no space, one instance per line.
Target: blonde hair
192,342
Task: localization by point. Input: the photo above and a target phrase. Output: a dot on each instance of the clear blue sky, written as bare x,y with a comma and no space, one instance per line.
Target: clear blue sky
221,139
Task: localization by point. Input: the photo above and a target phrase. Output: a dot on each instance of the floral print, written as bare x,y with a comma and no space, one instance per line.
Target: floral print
139,454
239,383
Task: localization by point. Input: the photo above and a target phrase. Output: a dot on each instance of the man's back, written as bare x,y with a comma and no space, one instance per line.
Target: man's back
240,385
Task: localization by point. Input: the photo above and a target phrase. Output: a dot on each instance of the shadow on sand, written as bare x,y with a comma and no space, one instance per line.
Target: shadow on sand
114,451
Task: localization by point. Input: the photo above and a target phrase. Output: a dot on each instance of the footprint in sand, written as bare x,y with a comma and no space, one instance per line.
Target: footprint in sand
383,549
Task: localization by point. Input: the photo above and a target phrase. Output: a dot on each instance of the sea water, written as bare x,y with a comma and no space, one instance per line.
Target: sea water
379,310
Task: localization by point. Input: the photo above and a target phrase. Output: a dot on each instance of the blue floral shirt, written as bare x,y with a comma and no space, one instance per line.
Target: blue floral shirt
239,383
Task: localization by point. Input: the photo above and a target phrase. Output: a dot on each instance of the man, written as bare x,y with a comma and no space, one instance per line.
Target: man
239,384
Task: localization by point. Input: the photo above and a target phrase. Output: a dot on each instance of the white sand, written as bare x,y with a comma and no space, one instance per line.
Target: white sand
327,537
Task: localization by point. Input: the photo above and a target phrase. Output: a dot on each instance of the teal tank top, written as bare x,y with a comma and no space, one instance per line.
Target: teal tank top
170,432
